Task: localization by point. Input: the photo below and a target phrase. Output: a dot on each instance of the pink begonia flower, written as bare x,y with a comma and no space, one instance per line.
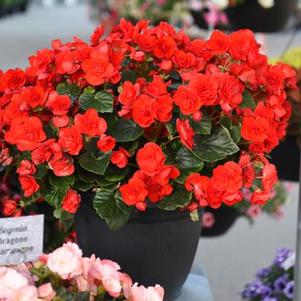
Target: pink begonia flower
10,281
65,261
126,280
141,293
208,220
46,292
105,268
112,285
26,293
254,211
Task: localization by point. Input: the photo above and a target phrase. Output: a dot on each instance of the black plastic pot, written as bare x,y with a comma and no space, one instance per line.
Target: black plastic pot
286,157
252,15
225,217
156,247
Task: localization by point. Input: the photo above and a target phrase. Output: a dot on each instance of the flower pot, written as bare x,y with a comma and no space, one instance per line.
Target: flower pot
155,247
252,15
286,157
225,217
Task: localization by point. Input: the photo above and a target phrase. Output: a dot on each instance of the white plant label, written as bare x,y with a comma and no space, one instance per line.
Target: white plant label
21,239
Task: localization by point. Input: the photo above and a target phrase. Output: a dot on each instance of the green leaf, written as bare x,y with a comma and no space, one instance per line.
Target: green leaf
83,186
115,212
82,296
115,174
95,163
102,101
178,199
41,172
187,162
186,159
202,127
236,133
56,197
247,101
216,146
124,130
61,182
72,90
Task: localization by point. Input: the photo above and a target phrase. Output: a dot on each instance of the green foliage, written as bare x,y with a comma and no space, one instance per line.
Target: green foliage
111,208
124,130
95,163
215,147
101,101
179,198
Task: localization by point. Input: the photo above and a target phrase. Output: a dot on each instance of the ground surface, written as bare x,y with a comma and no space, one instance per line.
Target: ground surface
231,260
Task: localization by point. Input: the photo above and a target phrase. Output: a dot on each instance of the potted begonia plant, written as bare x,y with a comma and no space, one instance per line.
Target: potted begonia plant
65,274
140,130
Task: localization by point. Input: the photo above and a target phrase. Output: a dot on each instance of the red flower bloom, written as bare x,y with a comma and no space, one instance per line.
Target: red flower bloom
184,59
46,151
162,108
62,167
8,207
98,68
198,184
269,177
90,123
227,177
206,88
254,128
106,143
165,47
150,159
134,194
26,134
26,168
70,140
142,111
29,185
218,43
146,42
186,133
12,79
58,104
71,201
60,121
187,100
35,96
120,157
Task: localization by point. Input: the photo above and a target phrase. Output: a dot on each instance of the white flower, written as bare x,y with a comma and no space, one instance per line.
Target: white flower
266,3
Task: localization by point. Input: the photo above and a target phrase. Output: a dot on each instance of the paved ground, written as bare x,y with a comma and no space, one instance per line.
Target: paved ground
230,260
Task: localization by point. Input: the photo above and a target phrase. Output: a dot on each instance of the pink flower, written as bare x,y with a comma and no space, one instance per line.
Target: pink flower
141,293
208,220
26,293
46,292
66,261
10,281
112,285
254,211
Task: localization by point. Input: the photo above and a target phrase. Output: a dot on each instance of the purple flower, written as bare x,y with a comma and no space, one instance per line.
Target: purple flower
281,256
280,283
263,273
269,299
289,290
252,289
